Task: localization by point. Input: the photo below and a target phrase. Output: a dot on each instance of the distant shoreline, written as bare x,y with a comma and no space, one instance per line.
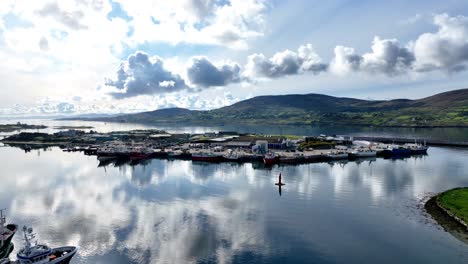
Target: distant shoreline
208,124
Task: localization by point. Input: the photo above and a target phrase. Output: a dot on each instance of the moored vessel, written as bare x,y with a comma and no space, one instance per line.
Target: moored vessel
206,156
417,149
32,252
337,155
7,231
270,158
362,153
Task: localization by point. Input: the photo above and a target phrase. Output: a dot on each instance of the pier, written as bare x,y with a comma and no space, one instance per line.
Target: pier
406,140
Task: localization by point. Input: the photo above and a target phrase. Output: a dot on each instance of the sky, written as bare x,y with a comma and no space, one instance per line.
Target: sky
74,57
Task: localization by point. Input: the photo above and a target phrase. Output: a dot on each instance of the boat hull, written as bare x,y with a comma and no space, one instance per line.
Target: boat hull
5,253
106,158
362,155
7,238
63,255
269,161
207,158
401,152
421,151
337,156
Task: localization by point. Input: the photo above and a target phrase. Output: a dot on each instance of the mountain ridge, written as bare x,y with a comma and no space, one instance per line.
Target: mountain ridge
443,109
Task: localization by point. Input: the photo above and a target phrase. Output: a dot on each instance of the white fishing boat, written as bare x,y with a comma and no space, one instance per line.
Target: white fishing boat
337,155
362,153
34,253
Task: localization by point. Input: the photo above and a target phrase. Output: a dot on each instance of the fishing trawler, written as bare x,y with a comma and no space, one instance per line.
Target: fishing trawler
34,253
362,153
7,231
270,159
206,156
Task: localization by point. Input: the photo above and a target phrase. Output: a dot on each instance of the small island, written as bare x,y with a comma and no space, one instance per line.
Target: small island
73,127
19,126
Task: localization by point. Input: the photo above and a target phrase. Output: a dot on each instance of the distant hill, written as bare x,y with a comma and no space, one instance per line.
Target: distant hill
444,109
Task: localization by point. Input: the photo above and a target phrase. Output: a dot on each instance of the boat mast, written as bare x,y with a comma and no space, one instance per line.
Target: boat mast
2,226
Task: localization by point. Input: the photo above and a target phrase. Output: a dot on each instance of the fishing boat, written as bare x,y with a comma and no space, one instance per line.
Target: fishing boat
206,156
32,252
362,153
337,155
417,149
174,154
7,231
105,154
232,156
270,158
294,159
401,151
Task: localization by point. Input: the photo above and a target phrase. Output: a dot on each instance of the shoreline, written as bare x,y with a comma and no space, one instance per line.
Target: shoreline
221,124
435,202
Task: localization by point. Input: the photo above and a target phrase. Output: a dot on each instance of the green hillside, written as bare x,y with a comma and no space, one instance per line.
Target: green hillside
444,109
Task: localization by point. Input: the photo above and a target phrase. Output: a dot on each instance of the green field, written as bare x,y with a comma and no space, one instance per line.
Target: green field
455,201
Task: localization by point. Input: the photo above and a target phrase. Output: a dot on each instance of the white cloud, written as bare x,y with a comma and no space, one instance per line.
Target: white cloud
446,49
284,63
411,20
142,74
196,21
204,73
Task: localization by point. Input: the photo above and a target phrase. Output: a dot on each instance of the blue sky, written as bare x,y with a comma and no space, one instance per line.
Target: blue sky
84,56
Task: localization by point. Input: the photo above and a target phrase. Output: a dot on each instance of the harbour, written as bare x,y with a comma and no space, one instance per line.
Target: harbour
222,146
327,211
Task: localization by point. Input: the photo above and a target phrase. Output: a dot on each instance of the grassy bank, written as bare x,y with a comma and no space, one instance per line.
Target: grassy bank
455,201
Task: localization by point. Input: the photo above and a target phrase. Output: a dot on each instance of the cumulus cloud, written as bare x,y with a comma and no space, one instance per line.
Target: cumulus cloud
200,8
229,23
446,49
142,74
285,63
44,44
387,57
69,19
203,72
346,60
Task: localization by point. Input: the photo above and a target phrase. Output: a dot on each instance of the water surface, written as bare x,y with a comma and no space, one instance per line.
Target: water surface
183,212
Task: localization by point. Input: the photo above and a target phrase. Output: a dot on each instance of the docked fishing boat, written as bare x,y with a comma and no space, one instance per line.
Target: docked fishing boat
417,149
232,156
206,156
7,231
292,159
106,154
401,151
337,155
270,158
175,154
32,252
362,153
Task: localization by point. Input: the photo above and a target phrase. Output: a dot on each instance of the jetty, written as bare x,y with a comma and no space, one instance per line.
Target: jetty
405,140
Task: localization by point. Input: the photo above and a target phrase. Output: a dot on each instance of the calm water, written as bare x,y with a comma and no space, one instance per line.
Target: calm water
454,134
184,212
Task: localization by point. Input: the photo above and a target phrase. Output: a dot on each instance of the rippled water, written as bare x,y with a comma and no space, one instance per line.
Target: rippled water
178,211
